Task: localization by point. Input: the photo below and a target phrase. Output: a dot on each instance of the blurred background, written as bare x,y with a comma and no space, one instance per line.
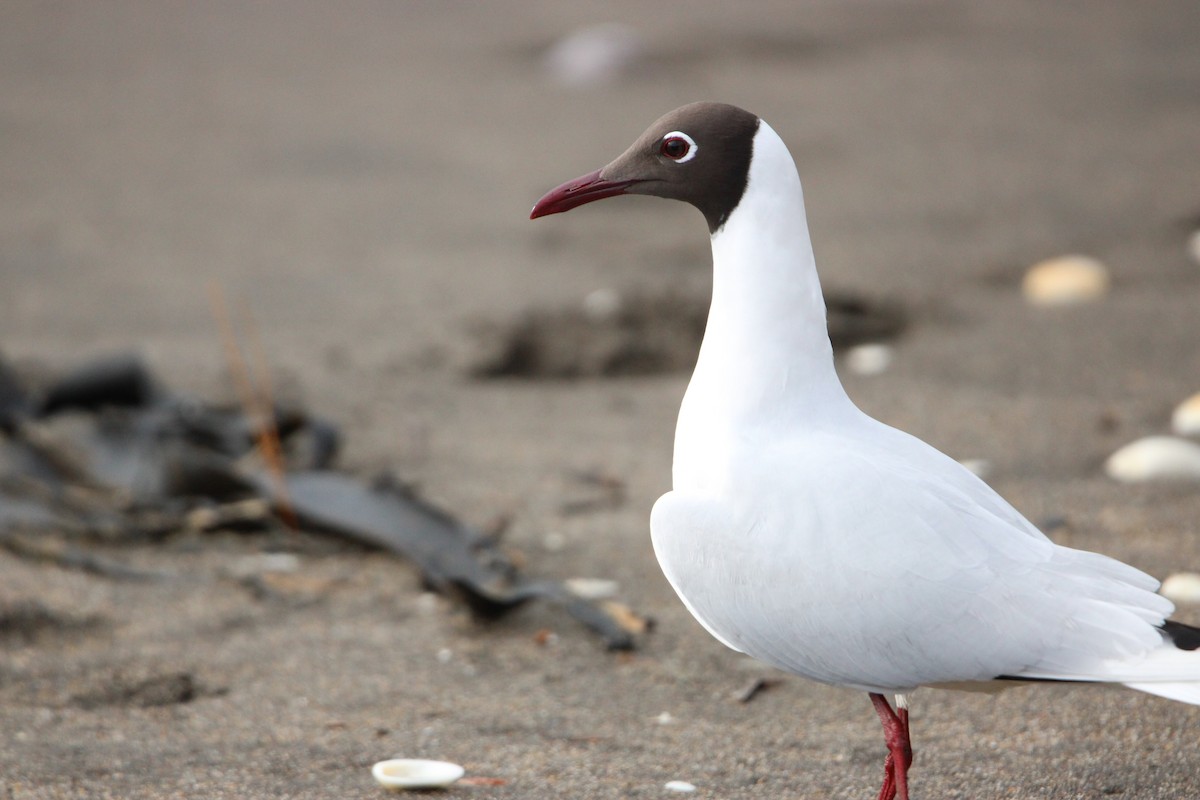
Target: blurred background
358,176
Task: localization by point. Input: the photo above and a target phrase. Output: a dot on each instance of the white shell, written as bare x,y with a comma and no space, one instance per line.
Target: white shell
1186,418
869,359
1155,458
595,55
1194,246
415,773
679,786
602,305
428,602
250,566
981,467
1182,587
1065,281
592,588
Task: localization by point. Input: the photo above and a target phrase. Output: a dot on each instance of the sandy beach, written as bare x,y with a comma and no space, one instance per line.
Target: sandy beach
358,177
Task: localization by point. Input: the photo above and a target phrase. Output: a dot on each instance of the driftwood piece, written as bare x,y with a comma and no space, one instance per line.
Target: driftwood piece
454,558
107,452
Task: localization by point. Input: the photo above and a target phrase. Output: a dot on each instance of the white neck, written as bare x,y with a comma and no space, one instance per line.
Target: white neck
766,363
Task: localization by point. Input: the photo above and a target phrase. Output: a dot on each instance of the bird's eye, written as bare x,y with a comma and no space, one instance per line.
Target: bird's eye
675,147
678,146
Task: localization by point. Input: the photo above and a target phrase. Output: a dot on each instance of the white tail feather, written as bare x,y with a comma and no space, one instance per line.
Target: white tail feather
1183,692
1165,671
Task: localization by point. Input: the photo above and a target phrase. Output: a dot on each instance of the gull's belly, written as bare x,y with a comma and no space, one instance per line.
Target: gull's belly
797,601
778,601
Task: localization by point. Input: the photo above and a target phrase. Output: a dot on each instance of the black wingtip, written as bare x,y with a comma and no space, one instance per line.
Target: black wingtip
1185,637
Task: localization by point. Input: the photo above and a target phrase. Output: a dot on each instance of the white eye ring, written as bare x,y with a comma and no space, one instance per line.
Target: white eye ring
693,148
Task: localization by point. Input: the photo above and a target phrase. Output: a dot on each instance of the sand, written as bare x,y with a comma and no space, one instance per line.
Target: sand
358,176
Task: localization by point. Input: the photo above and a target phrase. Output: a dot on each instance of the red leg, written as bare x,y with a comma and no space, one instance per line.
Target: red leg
899,758
906,753
888,790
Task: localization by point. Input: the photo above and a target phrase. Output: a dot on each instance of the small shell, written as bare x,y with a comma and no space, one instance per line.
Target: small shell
592,588
869,359
602,305
980,467
595,55
427,602
679,786
251,566
1155,458
415,773
1065,281
1182,587
1194,246
1186,418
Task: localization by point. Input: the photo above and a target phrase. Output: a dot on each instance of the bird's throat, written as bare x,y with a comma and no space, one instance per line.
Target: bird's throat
766,362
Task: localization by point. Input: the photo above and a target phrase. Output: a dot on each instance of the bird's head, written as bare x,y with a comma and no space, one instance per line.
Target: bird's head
699,154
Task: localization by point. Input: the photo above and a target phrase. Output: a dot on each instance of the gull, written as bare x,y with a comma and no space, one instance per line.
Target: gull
809,535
